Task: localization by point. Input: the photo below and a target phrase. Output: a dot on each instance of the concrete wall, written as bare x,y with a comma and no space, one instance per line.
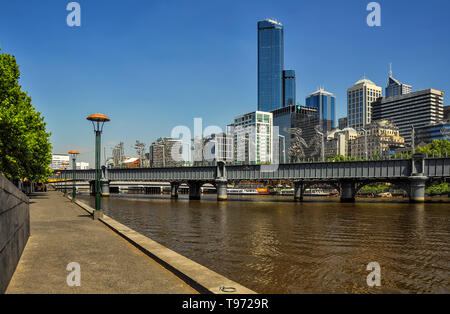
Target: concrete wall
14,229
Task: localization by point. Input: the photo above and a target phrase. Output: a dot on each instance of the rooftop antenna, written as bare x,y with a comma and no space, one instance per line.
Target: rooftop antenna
390,69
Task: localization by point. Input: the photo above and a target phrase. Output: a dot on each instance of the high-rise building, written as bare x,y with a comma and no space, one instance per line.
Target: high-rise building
289,92
57,161
429,133
270,65
325,103
218,147
395,88
295,117
359,103
446,112
416,109
166,152
253,138
342,123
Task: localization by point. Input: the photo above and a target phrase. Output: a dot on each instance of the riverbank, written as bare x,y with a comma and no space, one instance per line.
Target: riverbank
62,233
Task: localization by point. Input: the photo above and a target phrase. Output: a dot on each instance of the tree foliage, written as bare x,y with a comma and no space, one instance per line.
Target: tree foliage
436,148
25,149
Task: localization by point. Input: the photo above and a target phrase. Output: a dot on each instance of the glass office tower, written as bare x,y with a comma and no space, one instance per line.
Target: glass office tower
270,65
325,103
288,88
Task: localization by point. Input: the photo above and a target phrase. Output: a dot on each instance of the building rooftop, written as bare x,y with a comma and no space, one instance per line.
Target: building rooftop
365,81
321,91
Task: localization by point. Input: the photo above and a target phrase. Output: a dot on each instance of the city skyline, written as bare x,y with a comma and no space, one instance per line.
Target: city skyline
71,73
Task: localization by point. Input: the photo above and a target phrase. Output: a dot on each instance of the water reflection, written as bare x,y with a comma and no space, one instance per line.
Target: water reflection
278,246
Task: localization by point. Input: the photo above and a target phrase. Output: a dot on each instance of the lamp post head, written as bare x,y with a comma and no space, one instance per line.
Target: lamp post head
98,120
74,153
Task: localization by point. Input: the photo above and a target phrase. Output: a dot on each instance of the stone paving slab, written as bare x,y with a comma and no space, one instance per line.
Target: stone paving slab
61,233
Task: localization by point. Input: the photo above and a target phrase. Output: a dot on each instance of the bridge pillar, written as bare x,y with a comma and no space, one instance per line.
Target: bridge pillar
194,190
104,188
92,187
174,189
417,189
348,191
221,187
298,191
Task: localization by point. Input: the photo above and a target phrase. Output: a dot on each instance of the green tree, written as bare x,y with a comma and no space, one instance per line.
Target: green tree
25,149
436,148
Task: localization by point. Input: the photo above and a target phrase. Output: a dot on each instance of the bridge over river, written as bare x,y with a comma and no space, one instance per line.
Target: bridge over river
348,177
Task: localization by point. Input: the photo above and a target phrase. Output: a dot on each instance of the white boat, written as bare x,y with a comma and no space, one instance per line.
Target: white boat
242,191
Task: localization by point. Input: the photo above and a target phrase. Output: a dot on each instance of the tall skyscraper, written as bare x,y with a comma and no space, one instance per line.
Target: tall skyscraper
359,103
395,88
270,65
419,109
325,103
289,88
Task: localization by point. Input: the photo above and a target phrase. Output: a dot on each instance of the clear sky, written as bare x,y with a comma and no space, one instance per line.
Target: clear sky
153,65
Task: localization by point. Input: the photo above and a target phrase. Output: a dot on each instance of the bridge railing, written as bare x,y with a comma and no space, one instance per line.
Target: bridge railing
388,168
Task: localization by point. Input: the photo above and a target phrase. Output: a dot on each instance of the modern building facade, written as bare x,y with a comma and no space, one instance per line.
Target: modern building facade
429,133
338,142
253,138
446,112
342,123
270,65
289,88
359,103
382,138
218,147
166,152
58,159
325,103
294,117
418,109
395,88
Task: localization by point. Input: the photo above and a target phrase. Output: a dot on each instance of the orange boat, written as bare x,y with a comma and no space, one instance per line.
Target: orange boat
263,191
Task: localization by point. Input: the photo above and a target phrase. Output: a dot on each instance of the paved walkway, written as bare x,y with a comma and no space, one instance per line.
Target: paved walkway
61,233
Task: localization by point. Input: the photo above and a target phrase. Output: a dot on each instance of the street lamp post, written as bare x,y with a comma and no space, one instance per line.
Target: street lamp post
98,120
74,154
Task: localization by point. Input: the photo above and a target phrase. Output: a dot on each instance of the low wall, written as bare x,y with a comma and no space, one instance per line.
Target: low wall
14,229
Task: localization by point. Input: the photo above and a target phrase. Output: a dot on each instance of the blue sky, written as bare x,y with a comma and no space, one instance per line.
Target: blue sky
153,65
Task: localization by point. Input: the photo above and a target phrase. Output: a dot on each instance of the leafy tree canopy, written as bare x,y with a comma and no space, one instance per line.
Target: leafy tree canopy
25,149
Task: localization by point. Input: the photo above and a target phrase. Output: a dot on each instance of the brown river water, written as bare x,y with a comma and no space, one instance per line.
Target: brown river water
274,245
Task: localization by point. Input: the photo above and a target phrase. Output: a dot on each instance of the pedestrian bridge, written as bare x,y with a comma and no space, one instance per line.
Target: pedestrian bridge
347,177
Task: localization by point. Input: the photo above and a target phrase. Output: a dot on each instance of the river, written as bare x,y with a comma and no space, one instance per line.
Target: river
271,244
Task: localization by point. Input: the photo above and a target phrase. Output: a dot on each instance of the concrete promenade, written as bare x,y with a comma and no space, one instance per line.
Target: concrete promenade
61,233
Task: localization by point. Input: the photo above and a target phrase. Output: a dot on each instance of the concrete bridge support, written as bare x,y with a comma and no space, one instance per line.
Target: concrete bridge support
174,189
92,187
348,191
417,189
194,190
221,187
104,188
298,191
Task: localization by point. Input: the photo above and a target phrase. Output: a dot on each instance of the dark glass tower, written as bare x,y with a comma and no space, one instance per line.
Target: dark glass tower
270,65
288,88
325,103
